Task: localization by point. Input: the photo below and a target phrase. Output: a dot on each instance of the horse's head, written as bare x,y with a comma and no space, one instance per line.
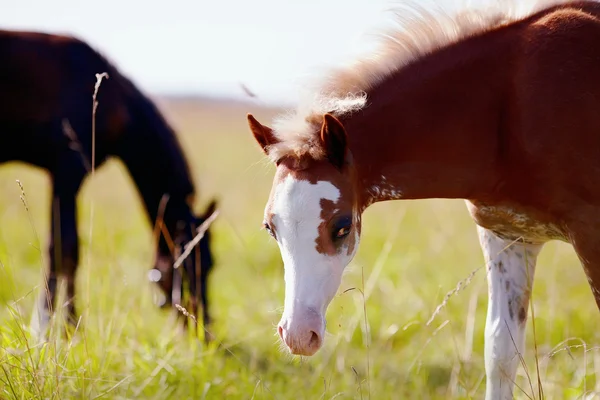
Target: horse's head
202,260
313,213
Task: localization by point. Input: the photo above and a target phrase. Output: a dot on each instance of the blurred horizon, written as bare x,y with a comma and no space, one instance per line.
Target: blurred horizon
210,49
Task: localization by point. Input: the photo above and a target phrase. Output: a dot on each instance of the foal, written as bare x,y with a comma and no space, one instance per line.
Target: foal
46,87
499,109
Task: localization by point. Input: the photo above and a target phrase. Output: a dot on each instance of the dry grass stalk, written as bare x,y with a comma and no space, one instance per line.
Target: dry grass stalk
459,287
159,226
94,108
75,144
186,313
187,250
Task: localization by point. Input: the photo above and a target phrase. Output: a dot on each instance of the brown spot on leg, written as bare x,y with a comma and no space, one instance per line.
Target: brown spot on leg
510,310
522,314
507,284
522,303
501,268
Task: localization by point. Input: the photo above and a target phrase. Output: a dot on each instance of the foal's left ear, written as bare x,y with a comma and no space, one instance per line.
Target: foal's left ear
333,137
263,134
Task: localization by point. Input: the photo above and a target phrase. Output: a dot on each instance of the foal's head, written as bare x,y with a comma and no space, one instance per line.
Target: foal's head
313,212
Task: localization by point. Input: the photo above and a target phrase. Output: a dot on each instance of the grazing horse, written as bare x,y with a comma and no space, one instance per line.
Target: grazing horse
501,109
46,88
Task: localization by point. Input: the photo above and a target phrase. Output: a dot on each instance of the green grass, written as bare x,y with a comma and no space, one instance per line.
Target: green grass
412,253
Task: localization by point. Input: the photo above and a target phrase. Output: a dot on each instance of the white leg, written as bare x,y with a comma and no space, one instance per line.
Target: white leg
510,271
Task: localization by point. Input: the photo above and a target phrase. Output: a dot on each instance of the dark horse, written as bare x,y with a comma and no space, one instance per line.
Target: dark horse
46,89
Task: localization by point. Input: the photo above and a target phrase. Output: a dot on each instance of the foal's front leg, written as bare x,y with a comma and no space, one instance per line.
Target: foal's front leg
510,270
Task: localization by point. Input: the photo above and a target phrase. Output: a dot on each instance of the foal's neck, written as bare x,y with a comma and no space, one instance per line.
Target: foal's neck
434,129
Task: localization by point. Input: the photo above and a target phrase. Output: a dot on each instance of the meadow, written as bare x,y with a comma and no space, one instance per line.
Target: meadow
378,346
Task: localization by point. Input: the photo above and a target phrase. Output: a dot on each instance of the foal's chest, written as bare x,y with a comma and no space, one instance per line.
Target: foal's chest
512,223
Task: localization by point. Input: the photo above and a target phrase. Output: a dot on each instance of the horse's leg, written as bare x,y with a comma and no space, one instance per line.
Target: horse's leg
64,256
64,246
585,243
45,303
510,271
65,230
206,318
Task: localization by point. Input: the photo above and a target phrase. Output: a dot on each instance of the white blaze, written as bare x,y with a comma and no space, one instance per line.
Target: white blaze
311,278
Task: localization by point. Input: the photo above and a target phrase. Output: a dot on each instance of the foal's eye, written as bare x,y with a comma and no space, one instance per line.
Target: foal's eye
268,228
342,228
342,233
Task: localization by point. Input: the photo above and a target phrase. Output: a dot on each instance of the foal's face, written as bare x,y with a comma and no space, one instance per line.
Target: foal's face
313,215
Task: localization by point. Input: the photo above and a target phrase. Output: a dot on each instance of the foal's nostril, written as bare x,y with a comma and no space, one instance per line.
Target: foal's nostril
280,331
314,339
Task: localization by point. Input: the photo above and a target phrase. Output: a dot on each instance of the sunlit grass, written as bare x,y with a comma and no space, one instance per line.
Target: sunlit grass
412,253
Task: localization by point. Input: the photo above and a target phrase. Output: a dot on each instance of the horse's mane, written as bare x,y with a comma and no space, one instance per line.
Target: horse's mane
155,133
419,30
159,137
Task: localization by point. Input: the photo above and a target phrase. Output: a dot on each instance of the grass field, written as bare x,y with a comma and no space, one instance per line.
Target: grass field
412,253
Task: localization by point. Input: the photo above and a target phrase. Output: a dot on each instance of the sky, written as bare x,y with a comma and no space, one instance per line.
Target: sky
204,47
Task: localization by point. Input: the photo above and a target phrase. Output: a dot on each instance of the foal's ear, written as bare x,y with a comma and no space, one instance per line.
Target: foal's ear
333,137
263,134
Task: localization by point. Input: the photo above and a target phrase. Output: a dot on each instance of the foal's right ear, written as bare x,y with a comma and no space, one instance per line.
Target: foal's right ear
334,139
263,134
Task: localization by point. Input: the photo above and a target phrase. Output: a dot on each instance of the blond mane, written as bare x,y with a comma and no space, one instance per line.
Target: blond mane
418,31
